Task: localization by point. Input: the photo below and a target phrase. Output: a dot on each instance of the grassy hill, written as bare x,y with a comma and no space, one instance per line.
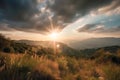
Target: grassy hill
63,48
21,61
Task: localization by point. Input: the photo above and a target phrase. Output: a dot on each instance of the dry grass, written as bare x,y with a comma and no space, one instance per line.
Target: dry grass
26,67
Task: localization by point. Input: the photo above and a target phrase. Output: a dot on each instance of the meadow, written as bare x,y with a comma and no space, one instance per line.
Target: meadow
24,62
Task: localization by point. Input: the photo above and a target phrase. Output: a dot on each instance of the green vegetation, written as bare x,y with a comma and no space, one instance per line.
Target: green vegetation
19,61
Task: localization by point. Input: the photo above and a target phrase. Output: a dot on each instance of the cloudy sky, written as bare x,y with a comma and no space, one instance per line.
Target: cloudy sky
73,19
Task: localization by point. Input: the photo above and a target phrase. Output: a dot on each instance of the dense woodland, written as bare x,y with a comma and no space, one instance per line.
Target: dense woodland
21,61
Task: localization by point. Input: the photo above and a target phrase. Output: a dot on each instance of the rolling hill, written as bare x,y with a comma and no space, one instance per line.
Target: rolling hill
49,44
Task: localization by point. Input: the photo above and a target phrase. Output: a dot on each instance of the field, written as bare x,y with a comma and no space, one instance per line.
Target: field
19,61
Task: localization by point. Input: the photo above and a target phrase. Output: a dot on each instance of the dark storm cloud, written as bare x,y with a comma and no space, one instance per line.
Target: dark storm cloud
30,15
68,8
17,14
87,28
113,5
113,30
4,27
18,10
98,28
91,28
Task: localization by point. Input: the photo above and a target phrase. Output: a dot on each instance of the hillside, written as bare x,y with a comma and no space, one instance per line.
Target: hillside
25,61
110,49
36,47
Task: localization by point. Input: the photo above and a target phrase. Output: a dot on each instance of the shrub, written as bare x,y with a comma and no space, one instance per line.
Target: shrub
8,50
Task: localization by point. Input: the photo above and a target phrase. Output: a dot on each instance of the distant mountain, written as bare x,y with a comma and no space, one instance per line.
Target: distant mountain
37,43
95,43
41,43
50,44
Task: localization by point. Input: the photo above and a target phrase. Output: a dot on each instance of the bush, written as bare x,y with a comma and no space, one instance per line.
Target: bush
8,50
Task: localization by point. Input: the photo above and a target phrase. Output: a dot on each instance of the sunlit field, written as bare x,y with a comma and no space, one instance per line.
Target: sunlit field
19,61
44,67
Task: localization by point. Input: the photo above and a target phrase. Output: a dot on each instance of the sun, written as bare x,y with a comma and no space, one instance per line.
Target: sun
54,35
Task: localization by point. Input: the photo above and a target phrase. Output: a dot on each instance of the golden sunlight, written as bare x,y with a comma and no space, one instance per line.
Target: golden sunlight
54,36
57,45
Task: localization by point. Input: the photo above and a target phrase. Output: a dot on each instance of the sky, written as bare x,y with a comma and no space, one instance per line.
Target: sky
73,20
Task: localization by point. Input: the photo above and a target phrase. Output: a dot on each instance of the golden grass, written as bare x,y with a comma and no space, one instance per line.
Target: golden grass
59,68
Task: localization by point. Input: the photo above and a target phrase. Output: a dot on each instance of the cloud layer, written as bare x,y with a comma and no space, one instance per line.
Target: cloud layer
39,15
99,28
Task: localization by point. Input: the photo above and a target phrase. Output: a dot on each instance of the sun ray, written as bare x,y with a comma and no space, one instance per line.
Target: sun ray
54,36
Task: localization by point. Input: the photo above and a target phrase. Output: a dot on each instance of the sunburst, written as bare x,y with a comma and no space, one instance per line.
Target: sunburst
54,36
